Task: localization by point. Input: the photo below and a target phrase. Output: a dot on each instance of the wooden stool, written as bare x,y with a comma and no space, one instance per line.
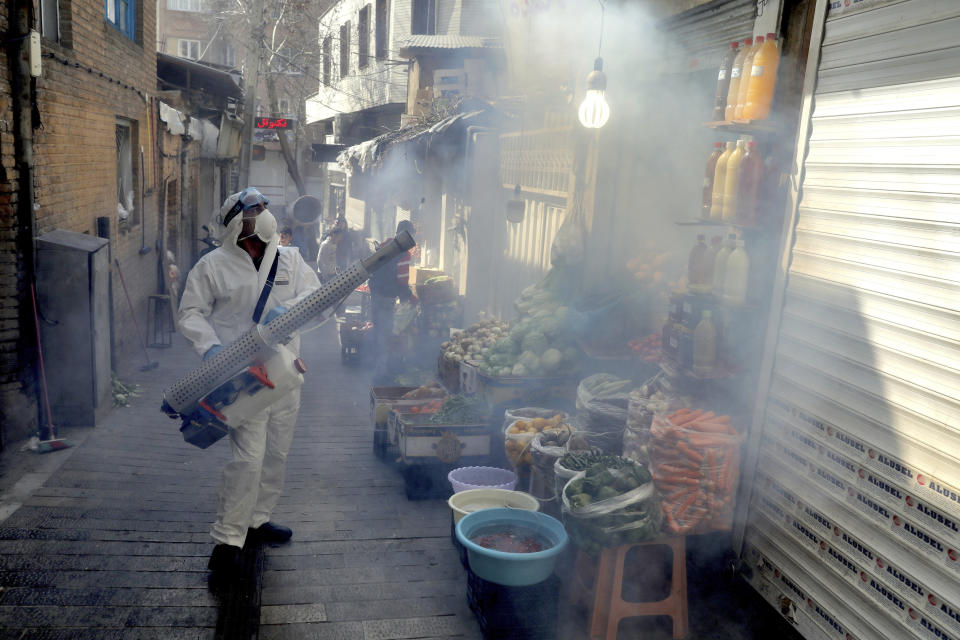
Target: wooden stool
609,607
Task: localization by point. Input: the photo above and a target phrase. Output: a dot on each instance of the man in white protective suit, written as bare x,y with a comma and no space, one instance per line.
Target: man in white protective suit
248,279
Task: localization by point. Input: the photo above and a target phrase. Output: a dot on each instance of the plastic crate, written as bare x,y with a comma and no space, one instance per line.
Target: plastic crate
514,613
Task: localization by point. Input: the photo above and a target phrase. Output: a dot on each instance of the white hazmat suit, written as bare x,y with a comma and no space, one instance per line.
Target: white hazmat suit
216,308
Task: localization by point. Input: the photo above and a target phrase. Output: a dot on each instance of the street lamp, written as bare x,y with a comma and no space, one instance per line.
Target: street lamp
594,110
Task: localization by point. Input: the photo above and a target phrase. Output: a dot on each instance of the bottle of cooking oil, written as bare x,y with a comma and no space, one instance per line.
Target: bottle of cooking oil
719,182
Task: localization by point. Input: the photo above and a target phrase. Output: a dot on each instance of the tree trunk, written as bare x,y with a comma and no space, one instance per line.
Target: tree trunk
288,154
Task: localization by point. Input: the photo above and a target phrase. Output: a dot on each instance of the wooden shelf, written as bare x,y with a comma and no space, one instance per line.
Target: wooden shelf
702,223
673,370
752,127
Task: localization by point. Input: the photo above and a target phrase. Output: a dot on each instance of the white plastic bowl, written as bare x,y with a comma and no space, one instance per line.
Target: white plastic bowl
478,499
465,478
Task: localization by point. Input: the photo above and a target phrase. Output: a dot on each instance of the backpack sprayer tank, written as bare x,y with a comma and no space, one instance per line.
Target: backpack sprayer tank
256,370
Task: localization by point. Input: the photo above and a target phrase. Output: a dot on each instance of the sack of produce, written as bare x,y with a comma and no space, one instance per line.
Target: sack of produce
695,461
645,402
610,504
529,413
604,397
518,437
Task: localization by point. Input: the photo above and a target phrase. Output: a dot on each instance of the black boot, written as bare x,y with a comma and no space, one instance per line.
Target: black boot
270,532
223,560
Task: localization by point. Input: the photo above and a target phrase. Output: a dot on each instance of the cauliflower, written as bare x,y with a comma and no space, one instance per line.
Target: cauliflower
551,360
519,370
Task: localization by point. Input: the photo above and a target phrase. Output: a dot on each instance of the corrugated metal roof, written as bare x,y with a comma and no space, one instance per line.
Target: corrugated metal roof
450,42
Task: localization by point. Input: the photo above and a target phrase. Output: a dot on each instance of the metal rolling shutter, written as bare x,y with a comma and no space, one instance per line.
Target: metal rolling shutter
854,519
697,39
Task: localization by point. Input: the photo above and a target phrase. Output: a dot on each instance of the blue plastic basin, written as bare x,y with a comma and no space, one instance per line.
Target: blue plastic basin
512,569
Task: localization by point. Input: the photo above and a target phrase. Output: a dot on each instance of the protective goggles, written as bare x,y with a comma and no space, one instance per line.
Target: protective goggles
250,198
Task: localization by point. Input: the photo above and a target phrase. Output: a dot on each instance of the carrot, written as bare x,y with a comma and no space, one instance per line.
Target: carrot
696,456
687,418
679,471
711,427
676,480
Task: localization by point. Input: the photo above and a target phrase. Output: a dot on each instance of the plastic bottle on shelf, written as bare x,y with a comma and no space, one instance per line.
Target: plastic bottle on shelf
707,200
736,72
723,82
731,182
762,80
748,189
719,182
735,276
745,77
705,346
720,263
710,257
697,268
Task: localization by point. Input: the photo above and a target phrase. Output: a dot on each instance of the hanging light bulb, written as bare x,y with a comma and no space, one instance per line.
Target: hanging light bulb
594,110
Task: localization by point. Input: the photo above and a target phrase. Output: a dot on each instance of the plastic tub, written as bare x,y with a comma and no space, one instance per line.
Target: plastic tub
512,569
466,478
473,500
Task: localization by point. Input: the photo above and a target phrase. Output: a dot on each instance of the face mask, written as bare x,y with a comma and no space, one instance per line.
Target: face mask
265,227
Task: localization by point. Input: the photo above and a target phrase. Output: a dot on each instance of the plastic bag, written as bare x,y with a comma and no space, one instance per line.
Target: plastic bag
633,516
696,468
604,398
636,435
403,317
528,413
518,445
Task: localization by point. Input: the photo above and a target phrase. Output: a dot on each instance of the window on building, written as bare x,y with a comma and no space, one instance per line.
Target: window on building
345,50
188,48
283,107
327,61
125,182
122,15
229,55
381,27
363,36
185,5
50,19
424,18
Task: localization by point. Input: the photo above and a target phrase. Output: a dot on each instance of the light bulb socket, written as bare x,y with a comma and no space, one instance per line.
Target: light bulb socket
597,79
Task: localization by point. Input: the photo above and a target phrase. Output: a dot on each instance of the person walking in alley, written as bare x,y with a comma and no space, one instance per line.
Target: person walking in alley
226,294
333,256
386,285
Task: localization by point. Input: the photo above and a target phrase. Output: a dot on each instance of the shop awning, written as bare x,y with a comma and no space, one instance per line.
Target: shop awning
191,75
362,156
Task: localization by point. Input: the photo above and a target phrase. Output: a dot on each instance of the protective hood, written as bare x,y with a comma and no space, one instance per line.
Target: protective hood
231,233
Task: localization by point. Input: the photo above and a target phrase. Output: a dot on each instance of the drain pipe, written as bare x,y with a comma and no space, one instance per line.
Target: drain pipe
22,92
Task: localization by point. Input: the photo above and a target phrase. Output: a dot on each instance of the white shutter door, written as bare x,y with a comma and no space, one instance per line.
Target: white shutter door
697,39
854,519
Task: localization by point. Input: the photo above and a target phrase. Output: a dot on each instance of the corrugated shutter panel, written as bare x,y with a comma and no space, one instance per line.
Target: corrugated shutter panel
696,40
855,512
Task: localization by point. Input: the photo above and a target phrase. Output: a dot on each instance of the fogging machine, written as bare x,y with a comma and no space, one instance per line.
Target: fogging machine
258,369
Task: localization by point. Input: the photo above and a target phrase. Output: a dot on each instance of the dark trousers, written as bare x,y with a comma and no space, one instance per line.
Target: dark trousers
381,314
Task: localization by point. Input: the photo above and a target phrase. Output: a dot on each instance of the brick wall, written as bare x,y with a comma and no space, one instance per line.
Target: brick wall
18,410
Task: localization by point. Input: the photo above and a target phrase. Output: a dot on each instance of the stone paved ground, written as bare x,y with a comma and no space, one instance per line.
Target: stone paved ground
111,539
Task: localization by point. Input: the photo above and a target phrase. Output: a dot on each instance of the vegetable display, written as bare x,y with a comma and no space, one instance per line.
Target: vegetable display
474,342
696,465
431,407
430,390
519,435
647,349
539,343
611,503
461,409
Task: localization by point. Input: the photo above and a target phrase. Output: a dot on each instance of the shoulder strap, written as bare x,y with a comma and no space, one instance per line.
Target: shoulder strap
266,289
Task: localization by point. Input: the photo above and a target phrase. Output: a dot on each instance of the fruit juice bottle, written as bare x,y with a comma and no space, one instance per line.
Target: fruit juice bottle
720,264
751,172
704,345
707,200
697,268
710,258
719,182
736,72
763,78
745,77
732,182
723,82
735,277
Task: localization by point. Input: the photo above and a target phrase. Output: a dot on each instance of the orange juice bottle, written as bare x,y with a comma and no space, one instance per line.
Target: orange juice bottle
745,77
720,182
735,73
707,199
763,77
732,182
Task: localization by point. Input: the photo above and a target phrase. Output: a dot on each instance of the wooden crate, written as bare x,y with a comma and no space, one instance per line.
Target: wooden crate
419,440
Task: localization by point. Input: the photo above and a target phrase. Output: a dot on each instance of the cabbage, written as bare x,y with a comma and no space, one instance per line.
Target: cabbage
529,360
550,326
518,370
551,360
499,360
535,341
506,345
